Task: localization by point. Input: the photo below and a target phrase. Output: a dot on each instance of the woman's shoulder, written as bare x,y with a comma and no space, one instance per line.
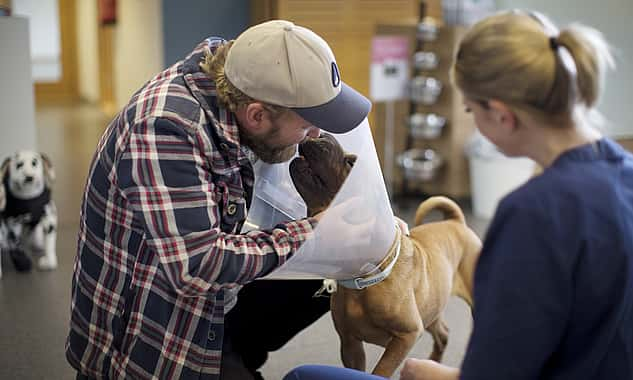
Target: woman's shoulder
576,189
542,187
544,196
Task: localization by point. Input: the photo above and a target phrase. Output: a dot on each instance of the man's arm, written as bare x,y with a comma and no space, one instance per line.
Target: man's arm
165,177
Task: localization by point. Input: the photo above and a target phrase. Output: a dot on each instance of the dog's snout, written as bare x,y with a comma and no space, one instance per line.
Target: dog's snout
28,179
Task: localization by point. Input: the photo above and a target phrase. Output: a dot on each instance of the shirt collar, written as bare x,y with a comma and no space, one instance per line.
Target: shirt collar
603,149
203,89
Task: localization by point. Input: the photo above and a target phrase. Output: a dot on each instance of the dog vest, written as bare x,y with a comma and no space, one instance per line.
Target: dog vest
32,209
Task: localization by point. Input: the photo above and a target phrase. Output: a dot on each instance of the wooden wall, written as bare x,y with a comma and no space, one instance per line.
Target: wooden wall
347,25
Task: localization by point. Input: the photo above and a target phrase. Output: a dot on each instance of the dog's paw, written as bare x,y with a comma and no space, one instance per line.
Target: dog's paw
20,260
46,263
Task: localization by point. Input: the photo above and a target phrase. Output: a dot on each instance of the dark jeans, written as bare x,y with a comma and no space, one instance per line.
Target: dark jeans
267,315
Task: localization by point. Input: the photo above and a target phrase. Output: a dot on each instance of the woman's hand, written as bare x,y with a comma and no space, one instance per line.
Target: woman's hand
416,369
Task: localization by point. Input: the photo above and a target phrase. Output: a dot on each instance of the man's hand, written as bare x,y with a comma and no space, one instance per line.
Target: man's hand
319,215
416,369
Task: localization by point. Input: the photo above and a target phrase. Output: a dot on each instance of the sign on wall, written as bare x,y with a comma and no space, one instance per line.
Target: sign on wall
389,70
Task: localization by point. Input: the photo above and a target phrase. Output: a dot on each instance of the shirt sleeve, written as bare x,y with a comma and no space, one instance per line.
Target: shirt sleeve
523,295
165,176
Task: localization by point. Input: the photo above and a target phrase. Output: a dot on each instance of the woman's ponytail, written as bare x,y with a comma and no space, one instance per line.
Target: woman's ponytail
592,58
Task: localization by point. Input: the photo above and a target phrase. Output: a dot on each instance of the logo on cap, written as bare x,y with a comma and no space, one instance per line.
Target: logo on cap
336,77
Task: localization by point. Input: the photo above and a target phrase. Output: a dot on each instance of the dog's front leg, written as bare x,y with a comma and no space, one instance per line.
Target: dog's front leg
352,353
49,260
48,230
395,353
14,245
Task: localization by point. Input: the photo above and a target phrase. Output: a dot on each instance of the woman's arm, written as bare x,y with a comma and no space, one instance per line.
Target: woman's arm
416,369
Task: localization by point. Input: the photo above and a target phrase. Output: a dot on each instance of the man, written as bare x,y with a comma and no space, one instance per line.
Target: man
160,255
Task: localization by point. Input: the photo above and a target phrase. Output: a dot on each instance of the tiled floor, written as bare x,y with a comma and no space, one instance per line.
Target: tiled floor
34,307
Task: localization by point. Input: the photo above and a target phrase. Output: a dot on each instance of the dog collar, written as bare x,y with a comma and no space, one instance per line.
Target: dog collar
360,283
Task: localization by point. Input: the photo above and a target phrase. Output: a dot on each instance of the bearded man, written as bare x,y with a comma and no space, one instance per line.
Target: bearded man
161,256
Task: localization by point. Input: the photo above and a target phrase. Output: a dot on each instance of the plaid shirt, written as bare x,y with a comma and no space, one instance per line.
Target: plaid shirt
159,255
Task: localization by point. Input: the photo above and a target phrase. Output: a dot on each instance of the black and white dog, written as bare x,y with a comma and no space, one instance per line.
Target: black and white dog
28,217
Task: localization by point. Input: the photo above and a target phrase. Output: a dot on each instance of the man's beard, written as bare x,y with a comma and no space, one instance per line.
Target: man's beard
264,150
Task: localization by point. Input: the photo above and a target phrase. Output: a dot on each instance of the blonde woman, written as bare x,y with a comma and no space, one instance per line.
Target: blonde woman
554,284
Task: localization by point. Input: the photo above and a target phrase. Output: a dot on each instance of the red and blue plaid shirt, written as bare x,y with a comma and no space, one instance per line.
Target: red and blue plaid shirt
159,255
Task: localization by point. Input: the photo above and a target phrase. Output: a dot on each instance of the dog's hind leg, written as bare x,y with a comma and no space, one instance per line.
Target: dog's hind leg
461,290
464,275
395,353
439,332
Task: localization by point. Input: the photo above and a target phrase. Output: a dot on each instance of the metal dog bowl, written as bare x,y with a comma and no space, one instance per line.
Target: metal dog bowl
420,164
425,90
428,29
426,126
425,60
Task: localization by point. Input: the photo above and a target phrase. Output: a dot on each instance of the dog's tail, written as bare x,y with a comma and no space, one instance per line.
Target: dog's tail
451,209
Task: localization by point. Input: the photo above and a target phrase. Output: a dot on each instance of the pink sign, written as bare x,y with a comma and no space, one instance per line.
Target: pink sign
389,48
389,68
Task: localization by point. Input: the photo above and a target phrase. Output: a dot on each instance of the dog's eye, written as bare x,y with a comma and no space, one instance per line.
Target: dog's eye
34,162
19,165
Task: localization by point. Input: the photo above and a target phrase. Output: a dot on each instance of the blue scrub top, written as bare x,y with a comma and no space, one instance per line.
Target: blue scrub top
554,284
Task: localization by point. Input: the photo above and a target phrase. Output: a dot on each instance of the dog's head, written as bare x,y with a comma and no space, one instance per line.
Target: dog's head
27,174
320,170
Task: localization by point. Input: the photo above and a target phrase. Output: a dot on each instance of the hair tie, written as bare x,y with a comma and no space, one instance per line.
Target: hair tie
553,43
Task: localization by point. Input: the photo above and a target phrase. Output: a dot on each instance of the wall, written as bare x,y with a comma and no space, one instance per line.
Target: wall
87,45
138,46
16,92
44,37
185,26
613,18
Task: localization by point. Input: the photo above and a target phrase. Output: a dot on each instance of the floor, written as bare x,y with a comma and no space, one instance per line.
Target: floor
34,307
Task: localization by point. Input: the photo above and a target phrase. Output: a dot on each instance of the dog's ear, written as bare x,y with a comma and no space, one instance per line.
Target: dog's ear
3,197
49,172
350,159
4,169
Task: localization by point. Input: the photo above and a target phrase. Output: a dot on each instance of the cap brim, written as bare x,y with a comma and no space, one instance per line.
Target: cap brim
341,114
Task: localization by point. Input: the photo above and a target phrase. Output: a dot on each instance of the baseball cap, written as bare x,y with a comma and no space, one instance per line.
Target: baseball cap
284,64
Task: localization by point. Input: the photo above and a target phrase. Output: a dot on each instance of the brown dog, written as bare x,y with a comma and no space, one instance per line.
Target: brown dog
436,260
